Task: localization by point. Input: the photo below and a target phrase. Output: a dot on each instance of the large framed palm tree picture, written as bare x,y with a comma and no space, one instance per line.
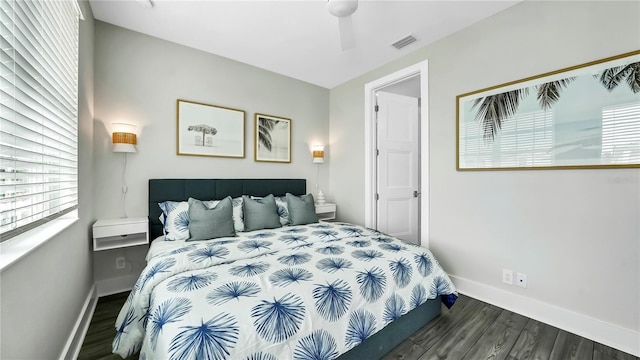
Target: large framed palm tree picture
272,139
585,116
209,130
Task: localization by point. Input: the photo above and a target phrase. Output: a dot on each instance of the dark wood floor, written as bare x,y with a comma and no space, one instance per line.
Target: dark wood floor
471,330
97,342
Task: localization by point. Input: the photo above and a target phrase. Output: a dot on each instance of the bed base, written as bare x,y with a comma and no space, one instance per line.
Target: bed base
385,340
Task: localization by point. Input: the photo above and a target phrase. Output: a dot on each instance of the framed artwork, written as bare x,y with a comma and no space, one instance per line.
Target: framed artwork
585,116
209,130
272,139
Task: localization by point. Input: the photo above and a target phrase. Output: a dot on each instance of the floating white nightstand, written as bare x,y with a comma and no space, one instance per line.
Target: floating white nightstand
326,212
120,233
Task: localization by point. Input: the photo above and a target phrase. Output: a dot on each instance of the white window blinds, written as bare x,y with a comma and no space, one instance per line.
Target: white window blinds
524,140
38,112
621,134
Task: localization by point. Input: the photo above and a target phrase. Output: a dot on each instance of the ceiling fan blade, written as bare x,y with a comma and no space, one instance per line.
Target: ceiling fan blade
347,36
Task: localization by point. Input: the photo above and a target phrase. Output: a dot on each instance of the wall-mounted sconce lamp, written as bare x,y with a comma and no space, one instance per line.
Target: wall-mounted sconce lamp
318,158
318,154
124,138
124,141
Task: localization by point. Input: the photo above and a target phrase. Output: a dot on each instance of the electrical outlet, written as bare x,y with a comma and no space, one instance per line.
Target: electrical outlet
521,280
507,276
121,263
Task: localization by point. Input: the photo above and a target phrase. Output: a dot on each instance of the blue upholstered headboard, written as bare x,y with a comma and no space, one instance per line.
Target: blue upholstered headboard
213,189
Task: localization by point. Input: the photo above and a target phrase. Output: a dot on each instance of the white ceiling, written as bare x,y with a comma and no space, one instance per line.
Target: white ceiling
299,39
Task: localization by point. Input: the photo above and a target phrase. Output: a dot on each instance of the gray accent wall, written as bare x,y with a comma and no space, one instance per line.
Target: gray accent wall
138,79
42,295
575,233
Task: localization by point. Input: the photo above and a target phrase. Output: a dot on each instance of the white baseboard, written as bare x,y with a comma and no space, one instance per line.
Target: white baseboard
597,330
116,285
74,343
99,289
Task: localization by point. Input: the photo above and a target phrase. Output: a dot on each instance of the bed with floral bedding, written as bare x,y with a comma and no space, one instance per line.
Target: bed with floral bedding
309,291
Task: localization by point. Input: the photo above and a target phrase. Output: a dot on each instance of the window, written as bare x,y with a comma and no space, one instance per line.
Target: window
38,112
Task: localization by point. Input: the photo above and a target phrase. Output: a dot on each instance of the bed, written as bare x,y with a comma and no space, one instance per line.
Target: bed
321,290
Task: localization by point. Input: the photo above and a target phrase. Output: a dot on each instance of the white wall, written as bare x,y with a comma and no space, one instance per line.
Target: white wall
139,78
575,233
42,295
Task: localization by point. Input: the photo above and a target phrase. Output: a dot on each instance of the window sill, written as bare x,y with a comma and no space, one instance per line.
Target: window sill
21,245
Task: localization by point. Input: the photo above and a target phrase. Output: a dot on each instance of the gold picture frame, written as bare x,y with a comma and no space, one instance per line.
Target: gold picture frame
584,116
272,140
209,130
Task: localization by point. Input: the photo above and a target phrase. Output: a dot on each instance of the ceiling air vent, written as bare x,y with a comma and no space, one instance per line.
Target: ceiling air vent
409,39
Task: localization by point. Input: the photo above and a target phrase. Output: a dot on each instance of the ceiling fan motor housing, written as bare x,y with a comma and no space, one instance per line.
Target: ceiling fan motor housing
342,8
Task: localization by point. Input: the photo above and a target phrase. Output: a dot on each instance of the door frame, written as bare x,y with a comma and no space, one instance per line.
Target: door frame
370,140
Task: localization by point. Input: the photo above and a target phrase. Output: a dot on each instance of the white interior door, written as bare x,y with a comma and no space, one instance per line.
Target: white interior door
398,180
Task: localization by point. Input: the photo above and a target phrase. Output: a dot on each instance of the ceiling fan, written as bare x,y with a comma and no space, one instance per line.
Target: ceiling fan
342,9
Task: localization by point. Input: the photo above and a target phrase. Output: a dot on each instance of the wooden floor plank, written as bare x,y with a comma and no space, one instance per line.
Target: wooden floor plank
405,351
411,349
97,341
499,338
431,333
535,342
569,346
460,339
603,352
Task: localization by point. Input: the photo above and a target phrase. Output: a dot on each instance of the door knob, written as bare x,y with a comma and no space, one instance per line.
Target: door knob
416,193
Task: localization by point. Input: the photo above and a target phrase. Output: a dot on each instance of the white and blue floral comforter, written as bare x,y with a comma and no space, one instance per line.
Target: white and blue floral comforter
303,292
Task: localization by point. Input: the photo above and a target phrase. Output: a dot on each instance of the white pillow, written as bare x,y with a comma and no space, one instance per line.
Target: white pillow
176,220
283,209
238,215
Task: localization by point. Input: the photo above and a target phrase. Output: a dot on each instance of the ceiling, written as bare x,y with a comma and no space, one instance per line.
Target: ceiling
299,39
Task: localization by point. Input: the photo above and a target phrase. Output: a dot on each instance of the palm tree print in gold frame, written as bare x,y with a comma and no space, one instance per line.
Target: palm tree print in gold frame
272,139
585,116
